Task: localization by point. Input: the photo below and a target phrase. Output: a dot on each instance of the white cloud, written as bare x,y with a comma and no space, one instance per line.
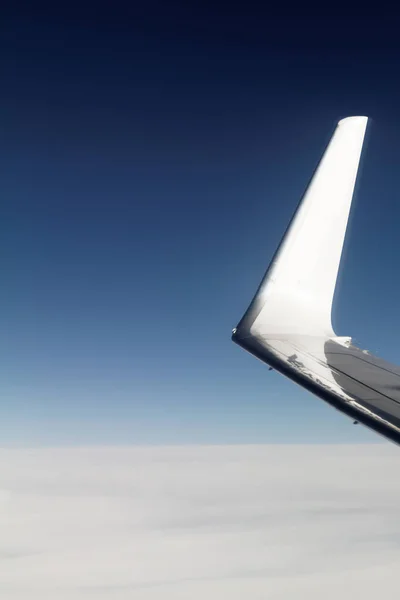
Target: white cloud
256,522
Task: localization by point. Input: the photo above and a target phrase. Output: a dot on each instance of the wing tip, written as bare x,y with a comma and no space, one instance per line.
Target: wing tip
300,294
356,120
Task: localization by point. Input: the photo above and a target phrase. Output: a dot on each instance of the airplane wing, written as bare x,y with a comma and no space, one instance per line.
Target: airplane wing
288,324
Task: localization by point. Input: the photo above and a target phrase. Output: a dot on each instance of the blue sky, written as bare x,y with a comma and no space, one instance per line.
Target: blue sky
150,163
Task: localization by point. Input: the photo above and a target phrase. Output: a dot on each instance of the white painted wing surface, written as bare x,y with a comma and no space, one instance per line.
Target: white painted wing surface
288,324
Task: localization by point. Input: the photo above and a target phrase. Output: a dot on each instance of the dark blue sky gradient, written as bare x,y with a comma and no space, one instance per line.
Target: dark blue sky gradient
150,162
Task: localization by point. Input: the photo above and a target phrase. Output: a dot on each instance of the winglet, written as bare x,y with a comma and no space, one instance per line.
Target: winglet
296,293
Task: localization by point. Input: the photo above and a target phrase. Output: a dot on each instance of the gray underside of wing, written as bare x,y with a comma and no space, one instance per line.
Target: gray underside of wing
371,381
352,380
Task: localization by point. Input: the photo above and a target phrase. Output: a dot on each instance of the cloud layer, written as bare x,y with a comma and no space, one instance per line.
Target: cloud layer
256,522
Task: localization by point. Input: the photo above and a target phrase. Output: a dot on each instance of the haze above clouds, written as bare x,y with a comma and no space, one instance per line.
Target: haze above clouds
220,522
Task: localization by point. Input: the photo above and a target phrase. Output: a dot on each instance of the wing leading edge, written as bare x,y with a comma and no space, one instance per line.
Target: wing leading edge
288,324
